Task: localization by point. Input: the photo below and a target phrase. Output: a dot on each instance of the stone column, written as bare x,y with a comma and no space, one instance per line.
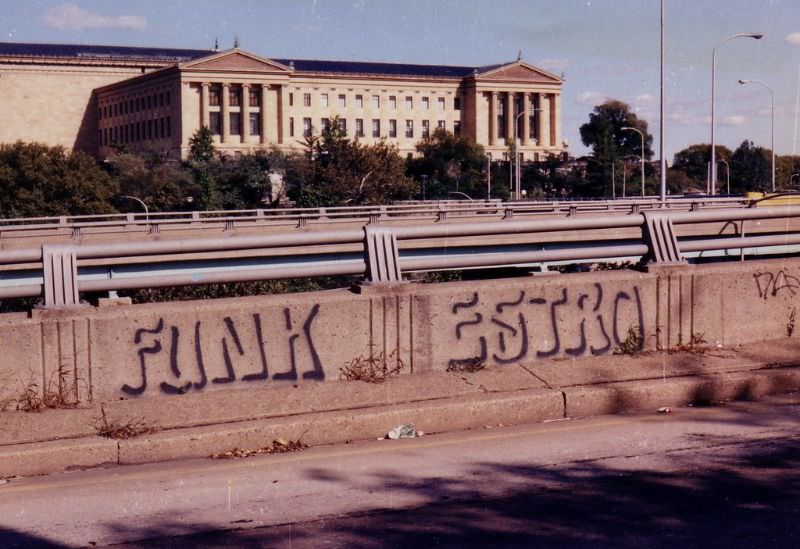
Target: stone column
493,118
510,118
544,120
526,119
225,119
283,122
555,119
264,94
245,112
204,93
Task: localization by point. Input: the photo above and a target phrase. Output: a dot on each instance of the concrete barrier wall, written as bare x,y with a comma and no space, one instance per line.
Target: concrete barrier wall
165,350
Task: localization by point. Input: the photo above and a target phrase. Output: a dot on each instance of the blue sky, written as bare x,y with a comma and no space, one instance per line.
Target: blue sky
605,48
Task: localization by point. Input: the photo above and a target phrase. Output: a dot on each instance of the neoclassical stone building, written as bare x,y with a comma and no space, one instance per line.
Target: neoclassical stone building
97,97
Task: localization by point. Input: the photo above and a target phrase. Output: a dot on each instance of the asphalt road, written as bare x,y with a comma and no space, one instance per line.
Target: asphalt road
714,477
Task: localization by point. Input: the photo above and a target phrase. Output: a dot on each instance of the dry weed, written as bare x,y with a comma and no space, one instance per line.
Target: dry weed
278,446
374,369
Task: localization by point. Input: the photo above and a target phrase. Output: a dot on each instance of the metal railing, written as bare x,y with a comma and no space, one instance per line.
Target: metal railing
71,227
383,253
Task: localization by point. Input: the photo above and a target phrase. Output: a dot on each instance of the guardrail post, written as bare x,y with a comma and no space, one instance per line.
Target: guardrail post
381,256
508,213
60,273
229,225
660,237
76,232
441,215
302,220
374,218
153,228
573,210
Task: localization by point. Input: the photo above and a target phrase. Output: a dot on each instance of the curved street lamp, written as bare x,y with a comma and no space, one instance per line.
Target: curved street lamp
641,134
713,174
791,178
517,152
727,174
772,126
140,201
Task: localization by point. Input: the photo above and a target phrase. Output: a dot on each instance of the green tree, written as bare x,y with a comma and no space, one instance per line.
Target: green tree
39,180
202,162
163,184
452,164
610,143
201,145
750,168
690,166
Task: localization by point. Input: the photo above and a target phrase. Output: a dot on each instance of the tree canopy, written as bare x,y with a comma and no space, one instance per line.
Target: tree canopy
452,164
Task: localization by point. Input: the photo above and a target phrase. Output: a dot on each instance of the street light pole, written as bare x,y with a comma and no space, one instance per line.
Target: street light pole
641,134
727,174
662,161
517,153
140,201
713,176
772,130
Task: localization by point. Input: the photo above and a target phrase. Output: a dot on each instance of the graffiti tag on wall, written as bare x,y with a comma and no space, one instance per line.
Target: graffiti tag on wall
572,324
196,369
773,284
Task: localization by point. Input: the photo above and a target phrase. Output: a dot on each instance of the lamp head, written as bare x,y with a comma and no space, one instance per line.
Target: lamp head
743,81
756,35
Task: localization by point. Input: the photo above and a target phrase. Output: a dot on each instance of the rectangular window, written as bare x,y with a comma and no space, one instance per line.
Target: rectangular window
254,97
234,93
148,103
360,101
409,128
162,132
457,103
392,101
213,122
376,101
392,128
291,126
342,100
323,99
343,125
426,103
235,123
255,123
457,128
149,129
359,127
167,97
441,124
169,121
291,100
306,99
409,102
440,102
324,123
213,96
426,128
161,99
306,127
376,127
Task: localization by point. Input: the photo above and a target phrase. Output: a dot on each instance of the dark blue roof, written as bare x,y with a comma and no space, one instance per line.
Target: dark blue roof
91,51
391,69
183,55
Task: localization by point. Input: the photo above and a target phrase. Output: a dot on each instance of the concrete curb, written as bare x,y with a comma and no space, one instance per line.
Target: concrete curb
436,415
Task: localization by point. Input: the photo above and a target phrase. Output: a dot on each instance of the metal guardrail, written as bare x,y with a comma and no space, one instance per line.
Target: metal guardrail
380,253
154,222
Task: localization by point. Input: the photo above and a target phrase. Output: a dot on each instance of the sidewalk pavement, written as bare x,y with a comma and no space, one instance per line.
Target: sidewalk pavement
198,425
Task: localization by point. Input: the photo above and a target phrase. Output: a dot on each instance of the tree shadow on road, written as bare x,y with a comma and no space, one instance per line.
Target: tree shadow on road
747,496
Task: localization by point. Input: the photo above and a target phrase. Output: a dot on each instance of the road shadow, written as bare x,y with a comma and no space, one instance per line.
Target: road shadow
745,496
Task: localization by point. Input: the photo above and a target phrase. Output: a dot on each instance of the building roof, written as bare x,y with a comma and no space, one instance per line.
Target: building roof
172,55
81,51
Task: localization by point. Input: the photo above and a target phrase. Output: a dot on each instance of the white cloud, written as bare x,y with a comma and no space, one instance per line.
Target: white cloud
793,39
71,16
592,98
553,65
734,120
646,99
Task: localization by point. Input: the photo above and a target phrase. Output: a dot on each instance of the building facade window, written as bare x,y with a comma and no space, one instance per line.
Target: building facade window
213,122
440,102
306,99
376,101
426,103
169,121
376,127
409,102
392,128
457,103
324,123
291,99
393,102
343,126
359,127
255,123
235,123
254,97
306,127
359,101
342,100
234,95
426,128
323,99
409,128
457,128
214,95
441,124
291,126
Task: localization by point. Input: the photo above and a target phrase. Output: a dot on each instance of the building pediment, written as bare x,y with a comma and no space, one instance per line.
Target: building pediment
236,61
518,71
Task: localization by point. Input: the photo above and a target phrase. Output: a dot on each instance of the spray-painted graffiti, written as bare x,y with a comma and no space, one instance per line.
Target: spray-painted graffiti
771,284
570,324
195,369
